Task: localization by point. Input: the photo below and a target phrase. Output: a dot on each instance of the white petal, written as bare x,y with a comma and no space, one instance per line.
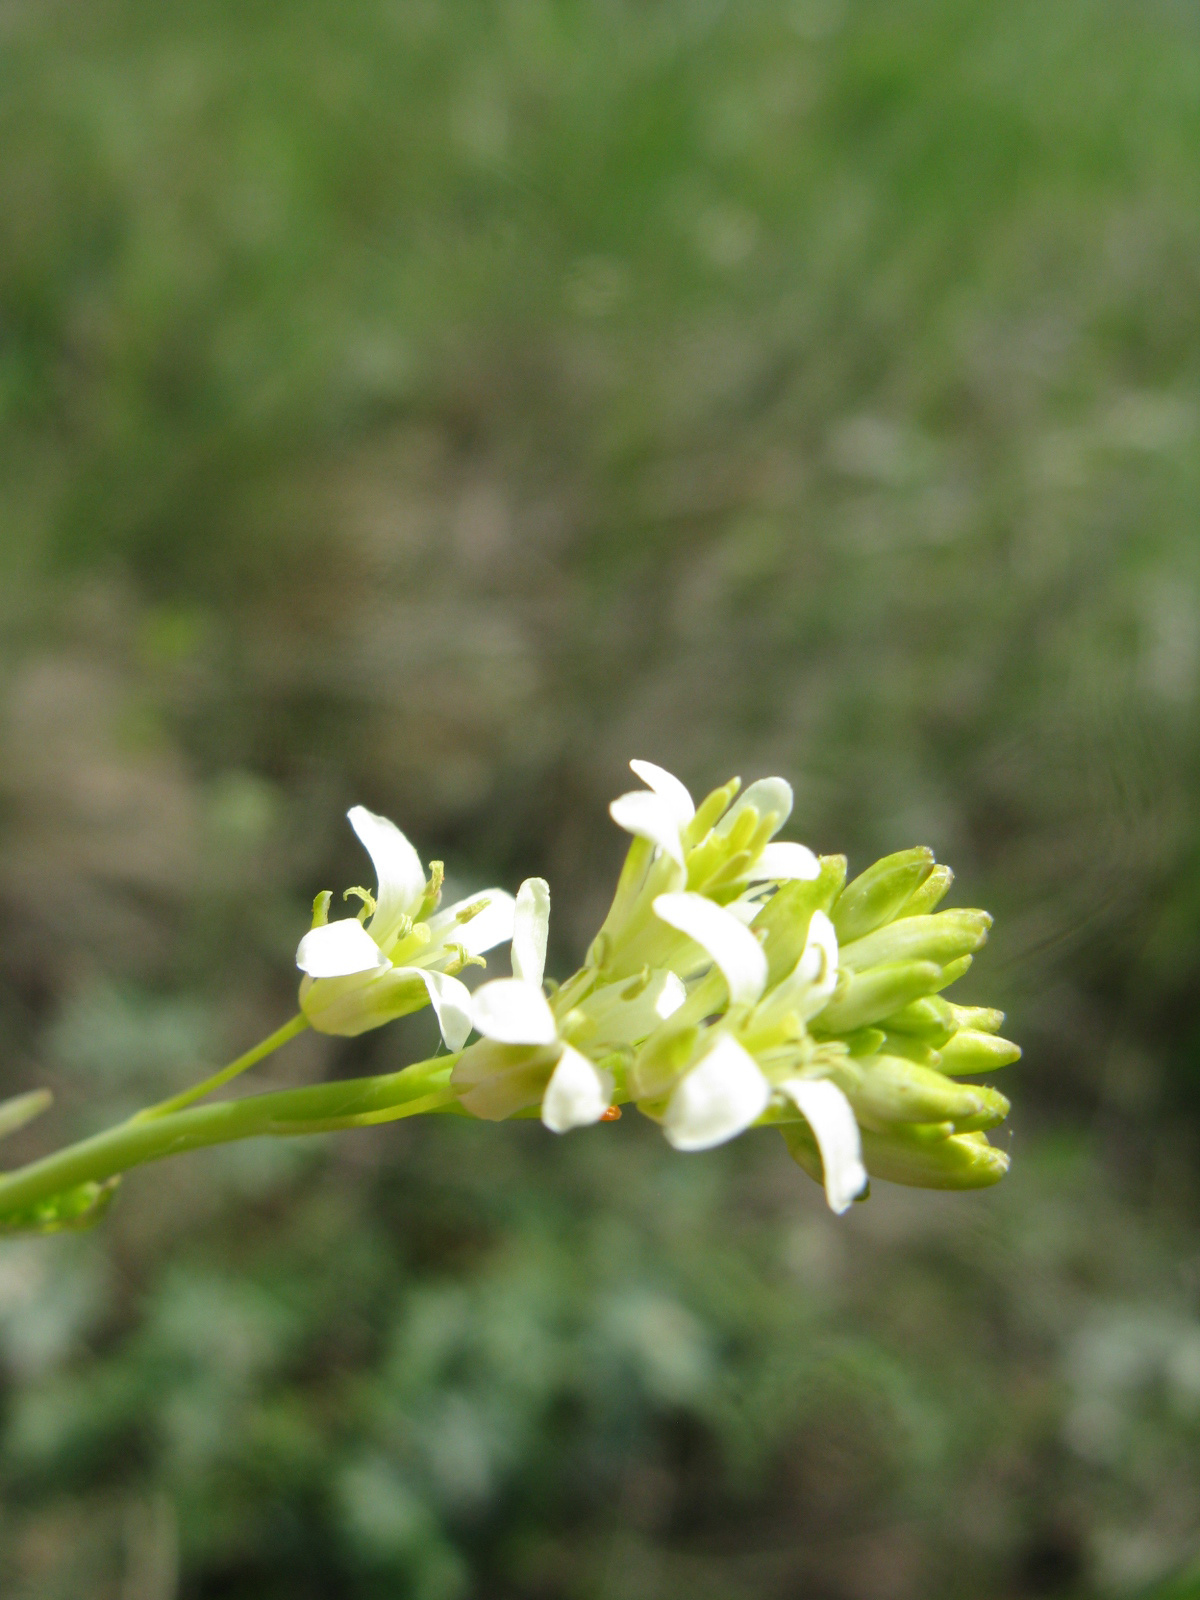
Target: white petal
670,997
827,1112
720,1097
782,861
339,949
819,963
768,794
486,929
452,1002
649,816
531,927
668,788
811,982
512,1012
578,1094
398,871
729,942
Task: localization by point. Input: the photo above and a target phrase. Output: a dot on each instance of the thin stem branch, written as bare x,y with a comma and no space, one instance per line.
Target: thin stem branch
188,1097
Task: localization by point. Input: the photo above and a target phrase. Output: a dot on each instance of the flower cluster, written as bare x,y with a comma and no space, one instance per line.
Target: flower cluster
738,980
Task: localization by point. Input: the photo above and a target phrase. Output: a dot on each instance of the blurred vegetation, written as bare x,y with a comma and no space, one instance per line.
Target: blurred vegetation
435,405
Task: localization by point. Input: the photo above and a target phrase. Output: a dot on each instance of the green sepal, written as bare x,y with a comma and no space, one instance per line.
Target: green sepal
953,971
943,938
930,1019
925,1158
970,1052
892,1090
877,894
982,1019
868,997
909,1049
661,1060
929,895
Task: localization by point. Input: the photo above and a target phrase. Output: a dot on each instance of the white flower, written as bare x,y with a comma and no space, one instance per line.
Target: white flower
358,975
514,1012
663,811
727,1090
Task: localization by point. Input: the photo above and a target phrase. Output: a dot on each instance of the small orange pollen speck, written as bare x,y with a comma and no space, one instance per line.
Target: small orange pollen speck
613,1114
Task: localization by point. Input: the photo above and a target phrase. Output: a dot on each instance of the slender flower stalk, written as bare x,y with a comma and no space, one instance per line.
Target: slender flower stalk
737,981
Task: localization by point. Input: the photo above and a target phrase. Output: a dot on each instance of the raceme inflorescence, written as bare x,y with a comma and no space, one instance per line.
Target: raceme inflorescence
738,981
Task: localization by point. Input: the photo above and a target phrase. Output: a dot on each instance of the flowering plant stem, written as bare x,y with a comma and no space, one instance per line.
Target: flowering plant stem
177,1124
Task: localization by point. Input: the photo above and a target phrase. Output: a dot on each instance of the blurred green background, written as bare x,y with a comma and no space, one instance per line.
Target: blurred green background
434,405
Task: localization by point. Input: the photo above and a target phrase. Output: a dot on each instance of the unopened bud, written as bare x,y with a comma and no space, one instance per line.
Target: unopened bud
894,1090
930,1019
990,1115
983,1019
926,1159
875,897
943,938
971,1052
930,895
953,971
909,1048
870,996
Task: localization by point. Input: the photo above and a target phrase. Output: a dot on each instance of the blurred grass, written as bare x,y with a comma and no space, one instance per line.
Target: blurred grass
434,406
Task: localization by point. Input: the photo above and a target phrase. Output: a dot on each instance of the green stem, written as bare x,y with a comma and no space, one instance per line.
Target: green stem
226,1075
354,1102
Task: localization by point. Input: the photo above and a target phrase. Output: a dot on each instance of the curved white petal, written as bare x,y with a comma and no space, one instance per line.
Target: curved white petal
649,816
768,794
339,949
398,871
451,1000
781,860
720,1097
668,788
512,1012
578,1094
486,929
531,928
819,963
828,1113
729,942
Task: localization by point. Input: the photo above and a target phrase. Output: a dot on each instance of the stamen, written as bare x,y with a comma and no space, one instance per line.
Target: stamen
368,902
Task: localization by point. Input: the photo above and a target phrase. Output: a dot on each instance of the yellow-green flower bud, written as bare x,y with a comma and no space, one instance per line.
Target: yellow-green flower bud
943,938
926,1158
930,894
894,1090
970,1052
877,894
930,1019
983,1019
870,996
